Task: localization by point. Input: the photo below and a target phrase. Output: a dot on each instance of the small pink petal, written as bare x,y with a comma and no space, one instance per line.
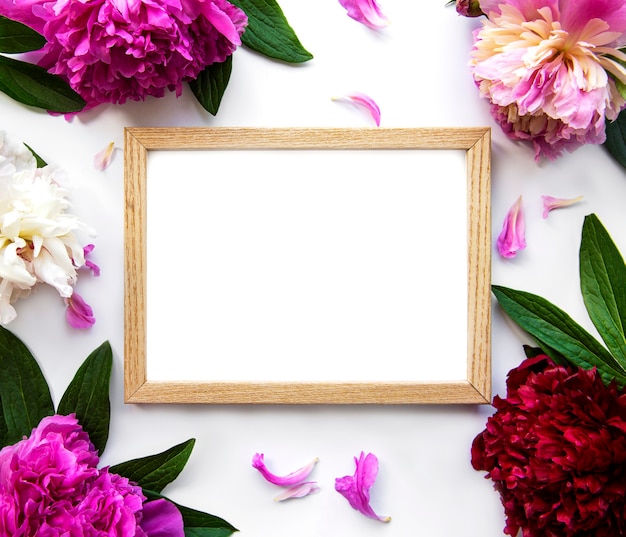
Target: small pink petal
360,99
366,12
298,491
285,481
95,269
356,488
550,203
78,313
513,235
103,158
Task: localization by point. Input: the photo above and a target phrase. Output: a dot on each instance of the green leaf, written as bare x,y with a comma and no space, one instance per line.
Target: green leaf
25,393
16,37
88,395
156,471
269,33
603,285
552,326
211,84
32,85
616,138
41,163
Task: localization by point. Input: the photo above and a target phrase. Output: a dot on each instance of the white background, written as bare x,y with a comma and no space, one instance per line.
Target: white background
416,70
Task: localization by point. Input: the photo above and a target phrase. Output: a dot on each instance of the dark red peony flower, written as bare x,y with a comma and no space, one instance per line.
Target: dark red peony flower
555,450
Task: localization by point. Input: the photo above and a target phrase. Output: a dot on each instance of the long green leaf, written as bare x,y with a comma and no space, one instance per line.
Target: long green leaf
211,84
16,37
603,285
31,85
552,326
197,523
88,395
23,388
616,138
269,33
156,471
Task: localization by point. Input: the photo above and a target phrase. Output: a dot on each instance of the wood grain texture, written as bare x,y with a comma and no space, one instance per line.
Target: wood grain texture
475,389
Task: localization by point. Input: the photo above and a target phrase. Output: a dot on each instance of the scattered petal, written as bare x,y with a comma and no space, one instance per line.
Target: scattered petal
298,491
103,158
291,479
79,314
356,488
513,235
360,99
366,12
95,269
550,203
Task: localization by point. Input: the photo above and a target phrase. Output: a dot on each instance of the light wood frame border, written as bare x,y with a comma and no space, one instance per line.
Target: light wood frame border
475,389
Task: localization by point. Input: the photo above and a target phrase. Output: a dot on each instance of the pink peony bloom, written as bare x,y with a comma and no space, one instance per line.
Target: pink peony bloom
551,69
366,12
50,485
356,488
512,238
115,50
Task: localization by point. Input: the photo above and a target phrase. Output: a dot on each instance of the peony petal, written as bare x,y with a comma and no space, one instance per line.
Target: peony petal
356,488
550,203
290,479
95,269
298,491
103,158
366,12
161,518
513,235
78,313
360,99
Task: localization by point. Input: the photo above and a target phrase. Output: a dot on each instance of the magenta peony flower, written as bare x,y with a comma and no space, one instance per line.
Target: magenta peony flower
556,452
114,50
50,485
551,69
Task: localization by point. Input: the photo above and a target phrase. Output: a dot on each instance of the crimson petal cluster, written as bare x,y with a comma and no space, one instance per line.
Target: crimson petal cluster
555,450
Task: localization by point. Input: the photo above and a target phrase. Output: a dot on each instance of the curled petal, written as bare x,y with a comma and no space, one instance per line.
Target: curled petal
356,488
79,314
285,481
298,491
513,235
360,99
95,269
366,12
103,158
550,203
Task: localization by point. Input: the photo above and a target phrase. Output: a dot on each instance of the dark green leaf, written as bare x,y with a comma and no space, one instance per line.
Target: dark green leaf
603,285
531,352
25,393
552,326
4,431
198,523
31,85
16,37
41,163
269,33
156,471
211,84
616,138
88,395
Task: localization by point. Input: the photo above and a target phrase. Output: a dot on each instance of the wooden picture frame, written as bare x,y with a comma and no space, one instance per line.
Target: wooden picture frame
474,144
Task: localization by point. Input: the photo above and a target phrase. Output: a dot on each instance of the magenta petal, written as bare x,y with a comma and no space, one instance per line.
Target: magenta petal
356,488
298,491
513,235
360,99
95,269
285,481
161,518
366,12
78,313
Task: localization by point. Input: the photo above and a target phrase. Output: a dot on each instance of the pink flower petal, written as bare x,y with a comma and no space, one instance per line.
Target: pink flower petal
290,479
78,313
362,100
298,491
512,237
550,203
95,269
356,488
103,158
366,12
